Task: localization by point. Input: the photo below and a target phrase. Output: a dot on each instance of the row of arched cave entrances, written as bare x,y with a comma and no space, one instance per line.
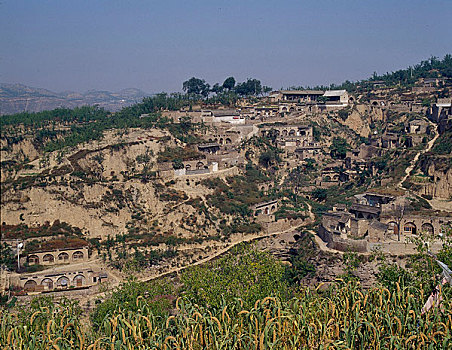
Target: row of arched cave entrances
410,228
49,258
221,141
61,283
199,166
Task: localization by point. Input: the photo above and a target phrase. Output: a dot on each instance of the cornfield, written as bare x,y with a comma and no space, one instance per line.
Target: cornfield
343,317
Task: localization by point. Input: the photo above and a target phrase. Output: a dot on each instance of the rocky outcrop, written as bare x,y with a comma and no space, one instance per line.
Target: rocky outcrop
439,172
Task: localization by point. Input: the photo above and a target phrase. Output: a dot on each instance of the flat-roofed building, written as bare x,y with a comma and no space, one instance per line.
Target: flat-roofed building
296,95
336,97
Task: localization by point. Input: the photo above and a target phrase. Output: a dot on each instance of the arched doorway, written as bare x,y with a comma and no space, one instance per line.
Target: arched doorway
63,257
47,283
409,228
33,260
78,255
393,228
30,285
427,228
48,258
79,280
200,165
63,282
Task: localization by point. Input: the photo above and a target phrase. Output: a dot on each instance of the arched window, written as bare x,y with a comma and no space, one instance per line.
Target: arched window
292,132
63,257
47,283
48,258
78,255
273,209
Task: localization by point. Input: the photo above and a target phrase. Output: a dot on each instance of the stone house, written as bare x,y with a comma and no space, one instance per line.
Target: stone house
418,126
61,280
58,256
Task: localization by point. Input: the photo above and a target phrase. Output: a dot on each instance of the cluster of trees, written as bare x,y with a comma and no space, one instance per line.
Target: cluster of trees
197,88
83,114
88,123
431,68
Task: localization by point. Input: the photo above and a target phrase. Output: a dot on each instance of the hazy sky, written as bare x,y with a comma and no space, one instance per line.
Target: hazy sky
156,45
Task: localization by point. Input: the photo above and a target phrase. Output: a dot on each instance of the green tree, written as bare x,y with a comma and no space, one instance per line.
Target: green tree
320,194
268,158
229,83
251,87
7,256
339,148
245,273
196,87
217,88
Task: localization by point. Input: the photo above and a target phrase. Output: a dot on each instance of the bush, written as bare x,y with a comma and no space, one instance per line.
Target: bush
244,273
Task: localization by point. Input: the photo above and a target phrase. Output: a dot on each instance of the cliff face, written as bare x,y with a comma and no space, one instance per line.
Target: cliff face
439,170
99,188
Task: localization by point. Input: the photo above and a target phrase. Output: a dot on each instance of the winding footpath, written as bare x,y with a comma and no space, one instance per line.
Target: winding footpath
416,157
248,238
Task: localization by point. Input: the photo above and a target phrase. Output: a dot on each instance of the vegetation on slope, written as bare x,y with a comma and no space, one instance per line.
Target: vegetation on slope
247,299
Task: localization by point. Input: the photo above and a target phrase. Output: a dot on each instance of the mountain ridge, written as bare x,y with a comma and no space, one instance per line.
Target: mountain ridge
17,97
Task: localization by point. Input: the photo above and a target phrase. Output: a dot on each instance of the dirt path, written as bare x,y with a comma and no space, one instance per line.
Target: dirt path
416,157
227,248
434,203
218,253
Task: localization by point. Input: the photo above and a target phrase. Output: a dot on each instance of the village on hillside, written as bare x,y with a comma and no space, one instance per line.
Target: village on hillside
360,171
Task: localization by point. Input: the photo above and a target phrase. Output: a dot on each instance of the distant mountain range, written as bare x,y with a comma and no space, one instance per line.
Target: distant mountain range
15,98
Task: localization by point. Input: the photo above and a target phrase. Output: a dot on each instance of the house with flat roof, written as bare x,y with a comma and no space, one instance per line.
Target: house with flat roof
296,95
336,97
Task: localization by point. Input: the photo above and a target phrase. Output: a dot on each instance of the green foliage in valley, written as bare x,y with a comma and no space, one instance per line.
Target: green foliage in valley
245,273
238,193
339,148
172,154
